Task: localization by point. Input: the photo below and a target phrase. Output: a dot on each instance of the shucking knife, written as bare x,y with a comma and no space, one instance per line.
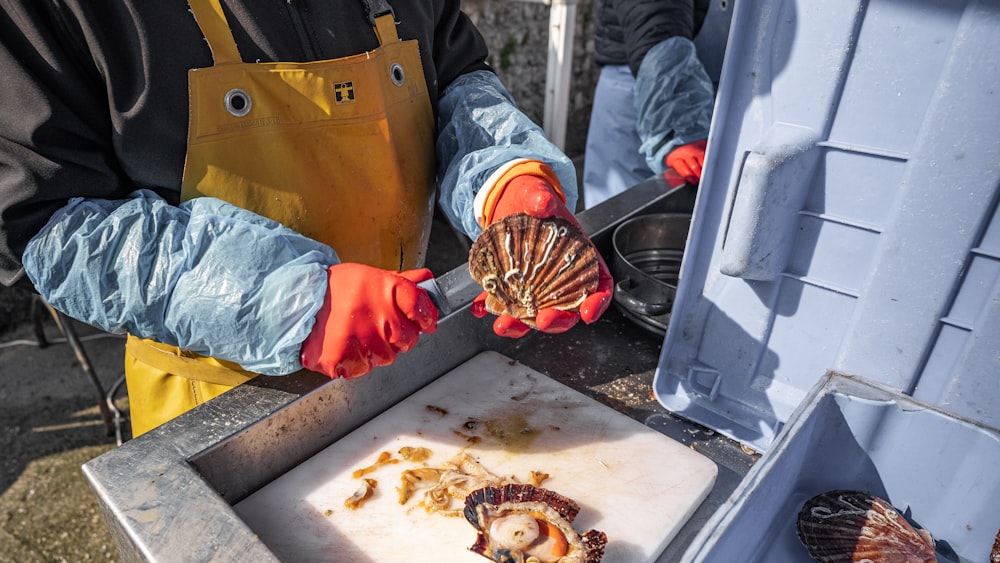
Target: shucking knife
437,296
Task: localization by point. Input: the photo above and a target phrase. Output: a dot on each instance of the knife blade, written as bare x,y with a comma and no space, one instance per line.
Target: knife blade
438,298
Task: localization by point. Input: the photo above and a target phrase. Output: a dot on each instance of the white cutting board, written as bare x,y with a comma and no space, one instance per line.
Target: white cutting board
631,482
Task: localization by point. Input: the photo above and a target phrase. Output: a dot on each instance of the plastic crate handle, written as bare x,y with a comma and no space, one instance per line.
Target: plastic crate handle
773,186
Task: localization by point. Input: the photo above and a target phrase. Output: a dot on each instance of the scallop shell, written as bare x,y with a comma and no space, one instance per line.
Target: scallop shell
526,264
995,554
509,519
856,526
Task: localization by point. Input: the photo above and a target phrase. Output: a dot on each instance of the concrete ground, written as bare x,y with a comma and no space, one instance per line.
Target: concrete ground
50,426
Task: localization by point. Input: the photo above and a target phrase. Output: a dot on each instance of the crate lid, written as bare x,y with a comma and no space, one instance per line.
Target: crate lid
847,218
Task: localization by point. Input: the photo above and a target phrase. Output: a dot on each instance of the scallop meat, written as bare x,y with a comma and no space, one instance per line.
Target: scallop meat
526,264
846,525
520,523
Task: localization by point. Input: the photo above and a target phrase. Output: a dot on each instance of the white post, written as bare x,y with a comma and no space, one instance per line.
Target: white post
559,71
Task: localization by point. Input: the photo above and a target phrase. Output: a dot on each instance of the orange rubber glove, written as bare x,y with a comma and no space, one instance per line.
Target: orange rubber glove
686,161
536,197
368,317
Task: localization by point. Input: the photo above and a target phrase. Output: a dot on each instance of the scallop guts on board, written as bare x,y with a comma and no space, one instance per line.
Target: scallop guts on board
521,524
526,264
856,526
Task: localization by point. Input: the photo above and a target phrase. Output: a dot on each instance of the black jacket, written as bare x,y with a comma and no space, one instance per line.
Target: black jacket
626,29
94,92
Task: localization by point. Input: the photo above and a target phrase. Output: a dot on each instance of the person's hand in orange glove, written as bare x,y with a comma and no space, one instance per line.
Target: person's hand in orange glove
686,161
369,316
535,196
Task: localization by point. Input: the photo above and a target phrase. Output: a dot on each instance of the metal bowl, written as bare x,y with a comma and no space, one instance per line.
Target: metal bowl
647,258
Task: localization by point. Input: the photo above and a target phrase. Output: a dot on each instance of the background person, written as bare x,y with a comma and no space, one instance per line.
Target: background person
653,100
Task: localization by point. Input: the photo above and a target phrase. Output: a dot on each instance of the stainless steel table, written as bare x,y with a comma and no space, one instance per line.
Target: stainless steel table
167,495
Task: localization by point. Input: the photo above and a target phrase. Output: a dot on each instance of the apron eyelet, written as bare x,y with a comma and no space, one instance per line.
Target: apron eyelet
238,102
397,74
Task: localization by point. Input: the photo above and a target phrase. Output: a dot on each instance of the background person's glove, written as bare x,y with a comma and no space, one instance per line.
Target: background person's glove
686,161
535,196
369,315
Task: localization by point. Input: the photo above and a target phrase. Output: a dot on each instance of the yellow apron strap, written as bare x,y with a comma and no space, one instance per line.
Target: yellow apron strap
168,359
382,19
212,21
385,29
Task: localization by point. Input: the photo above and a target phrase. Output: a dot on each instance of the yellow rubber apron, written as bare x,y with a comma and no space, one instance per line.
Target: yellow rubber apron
341,151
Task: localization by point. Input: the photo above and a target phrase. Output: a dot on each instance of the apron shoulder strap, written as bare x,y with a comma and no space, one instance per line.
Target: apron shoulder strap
380,15
376,8
212,21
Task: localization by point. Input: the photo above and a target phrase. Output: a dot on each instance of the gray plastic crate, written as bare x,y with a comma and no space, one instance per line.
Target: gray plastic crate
847,222
940,470
847,218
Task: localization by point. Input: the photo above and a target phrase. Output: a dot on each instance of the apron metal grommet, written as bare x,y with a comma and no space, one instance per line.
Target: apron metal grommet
238,102
397,74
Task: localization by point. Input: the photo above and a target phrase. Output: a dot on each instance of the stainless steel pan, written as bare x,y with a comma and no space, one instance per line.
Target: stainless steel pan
647,258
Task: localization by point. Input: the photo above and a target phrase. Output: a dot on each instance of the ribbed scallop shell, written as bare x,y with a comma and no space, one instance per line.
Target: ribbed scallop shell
484,505
527,264
856,526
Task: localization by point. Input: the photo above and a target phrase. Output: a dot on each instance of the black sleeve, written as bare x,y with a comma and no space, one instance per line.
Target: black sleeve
55,135
648,22
459,48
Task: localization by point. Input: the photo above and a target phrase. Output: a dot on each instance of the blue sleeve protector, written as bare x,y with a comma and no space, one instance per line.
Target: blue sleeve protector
480,129
674,98
206,276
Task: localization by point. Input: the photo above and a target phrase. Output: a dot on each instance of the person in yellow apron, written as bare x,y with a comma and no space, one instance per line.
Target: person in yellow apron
250,146
307,191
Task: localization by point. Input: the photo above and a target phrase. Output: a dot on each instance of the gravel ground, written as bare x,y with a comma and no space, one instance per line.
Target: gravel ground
50,426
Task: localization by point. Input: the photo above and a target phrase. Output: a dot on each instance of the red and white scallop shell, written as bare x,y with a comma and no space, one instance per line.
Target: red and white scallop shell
520,523
525,264
846,525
